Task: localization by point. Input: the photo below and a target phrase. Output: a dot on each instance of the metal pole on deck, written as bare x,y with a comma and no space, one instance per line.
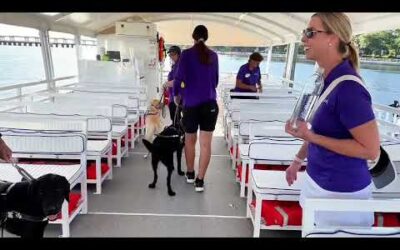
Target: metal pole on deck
291,61
78,50
47,59
269,57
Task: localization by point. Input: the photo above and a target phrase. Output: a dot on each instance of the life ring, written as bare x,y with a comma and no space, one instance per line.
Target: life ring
166,97
161,49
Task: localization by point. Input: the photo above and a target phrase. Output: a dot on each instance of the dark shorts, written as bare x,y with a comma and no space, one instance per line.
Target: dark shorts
204,115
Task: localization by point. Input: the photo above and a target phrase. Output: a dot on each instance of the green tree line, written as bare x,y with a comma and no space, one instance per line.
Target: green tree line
379,44
383,44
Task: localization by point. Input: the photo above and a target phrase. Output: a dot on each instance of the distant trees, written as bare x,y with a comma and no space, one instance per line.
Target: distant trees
239,49
379,44
383,44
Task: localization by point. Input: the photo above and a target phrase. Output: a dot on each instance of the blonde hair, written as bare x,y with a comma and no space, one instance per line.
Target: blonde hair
154,102
339,24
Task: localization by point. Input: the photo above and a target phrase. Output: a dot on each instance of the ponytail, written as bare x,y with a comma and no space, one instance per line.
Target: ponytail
349,51
339,23
354,57
203,51
200,35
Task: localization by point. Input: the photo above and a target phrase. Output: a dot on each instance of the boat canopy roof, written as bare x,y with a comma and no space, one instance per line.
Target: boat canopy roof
225,29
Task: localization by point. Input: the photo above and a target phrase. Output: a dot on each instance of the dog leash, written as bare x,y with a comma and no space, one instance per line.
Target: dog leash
22,171
148,112
178,110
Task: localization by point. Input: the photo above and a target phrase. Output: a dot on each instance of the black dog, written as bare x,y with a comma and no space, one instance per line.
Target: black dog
26,205
162,149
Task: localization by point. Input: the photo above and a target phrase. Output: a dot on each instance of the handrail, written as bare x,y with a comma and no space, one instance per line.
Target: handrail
29,84
19,87
22,96
387,108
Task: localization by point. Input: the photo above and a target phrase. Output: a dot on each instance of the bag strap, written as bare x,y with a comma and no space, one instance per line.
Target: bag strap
331,87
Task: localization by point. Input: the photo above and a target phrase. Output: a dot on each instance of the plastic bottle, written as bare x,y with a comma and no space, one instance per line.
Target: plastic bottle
309,96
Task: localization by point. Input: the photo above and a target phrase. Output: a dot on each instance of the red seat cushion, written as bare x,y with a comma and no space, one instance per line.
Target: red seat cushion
281,213
387,220
272,216
114,147
74,201
237,152
129,134
91,170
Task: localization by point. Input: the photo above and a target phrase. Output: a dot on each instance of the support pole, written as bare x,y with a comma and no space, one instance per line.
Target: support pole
47,59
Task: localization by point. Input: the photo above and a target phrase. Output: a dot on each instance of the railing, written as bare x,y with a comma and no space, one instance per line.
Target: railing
387,116
35,40
29,89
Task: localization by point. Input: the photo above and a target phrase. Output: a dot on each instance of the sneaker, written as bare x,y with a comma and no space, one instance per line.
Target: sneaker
199,185
190,177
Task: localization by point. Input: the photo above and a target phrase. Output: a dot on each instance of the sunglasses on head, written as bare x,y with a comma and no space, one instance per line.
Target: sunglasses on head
309,33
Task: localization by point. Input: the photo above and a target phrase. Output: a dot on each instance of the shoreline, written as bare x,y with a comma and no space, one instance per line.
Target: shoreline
367,64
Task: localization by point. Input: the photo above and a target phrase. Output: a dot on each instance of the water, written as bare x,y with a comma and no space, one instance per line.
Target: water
384,85
20,64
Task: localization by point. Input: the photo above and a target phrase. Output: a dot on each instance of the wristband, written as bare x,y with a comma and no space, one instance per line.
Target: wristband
297,159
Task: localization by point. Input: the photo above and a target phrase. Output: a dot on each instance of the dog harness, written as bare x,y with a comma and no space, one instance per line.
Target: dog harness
5,187
21,216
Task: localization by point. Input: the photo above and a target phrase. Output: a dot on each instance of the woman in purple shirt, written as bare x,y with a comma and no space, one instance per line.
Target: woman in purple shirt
174,52
248,78
196,79
344,132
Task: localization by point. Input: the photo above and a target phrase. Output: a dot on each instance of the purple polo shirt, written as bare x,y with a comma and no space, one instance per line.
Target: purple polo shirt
171,76
347,106
200,79
249,77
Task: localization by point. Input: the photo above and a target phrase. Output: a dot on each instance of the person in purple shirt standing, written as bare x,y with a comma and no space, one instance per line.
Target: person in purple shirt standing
174,53
197,80
248,78
344,132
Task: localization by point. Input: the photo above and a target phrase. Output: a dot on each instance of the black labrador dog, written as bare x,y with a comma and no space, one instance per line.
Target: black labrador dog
27,205
170,140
